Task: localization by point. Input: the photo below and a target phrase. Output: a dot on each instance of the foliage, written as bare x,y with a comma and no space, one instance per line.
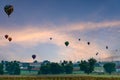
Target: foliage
68,69
29,68
1,69
44,69
13,68
68,66
109,67
35,61
84,66
91,62
87,66
56,68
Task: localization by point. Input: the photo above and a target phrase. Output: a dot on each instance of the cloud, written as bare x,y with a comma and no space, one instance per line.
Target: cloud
30,36
83,26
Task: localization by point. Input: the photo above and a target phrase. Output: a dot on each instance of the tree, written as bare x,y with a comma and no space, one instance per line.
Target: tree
13,68
91,62
46,62
109,67
69,69
1,69
84,66
67,66
87,66
29,68
56,68
35,61
44,69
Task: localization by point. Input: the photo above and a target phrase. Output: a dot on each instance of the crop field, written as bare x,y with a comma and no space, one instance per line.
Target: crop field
24,72
61,77
26,75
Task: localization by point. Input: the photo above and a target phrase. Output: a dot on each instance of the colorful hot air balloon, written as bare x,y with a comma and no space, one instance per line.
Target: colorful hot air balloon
6,36
33,56
88,43
10,39
66,43
8,9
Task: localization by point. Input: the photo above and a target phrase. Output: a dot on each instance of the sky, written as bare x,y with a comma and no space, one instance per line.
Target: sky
34,22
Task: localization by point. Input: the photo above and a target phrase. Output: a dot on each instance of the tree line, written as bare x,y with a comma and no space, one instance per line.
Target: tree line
64,67
11,67
56,68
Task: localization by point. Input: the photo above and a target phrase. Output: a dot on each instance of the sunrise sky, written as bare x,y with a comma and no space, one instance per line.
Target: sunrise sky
33,22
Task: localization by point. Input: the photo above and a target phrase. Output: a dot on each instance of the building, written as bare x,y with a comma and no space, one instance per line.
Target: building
34,66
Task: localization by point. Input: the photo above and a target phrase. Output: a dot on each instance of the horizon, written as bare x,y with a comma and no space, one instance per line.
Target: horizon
33,23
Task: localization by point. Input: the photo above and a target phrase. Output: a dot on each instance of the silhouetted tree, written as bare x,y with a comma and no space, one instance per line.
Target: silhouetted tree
84,66
29,68
109,67
35,61
46,62
67,66
68,69
1,69
87,66
56,68
45,69
13,68
91,62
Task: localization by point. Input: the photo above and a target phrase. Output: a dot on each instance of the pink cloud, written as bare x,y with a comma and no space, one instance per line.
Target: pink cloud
83,26
31,36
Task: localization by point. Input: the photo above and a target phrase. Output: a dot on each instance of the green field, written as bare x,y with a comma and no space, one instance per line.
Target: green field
78,75
75,73
23,72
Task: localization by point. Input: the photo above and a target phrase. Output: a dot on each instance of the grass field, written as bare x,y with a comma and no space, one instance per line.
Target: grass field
60,77
23,72
26,75
75,73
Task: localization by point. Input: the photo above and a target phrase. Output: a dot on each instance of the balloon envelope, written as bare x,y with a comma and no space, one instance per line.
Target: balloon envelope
66,43
34,56
106,47
88,43
6,36
97,53
10,39
8,9
50,38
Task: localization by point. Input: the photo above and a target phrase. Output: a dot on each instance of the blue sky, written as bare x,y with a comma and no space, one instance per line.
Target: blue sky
33,22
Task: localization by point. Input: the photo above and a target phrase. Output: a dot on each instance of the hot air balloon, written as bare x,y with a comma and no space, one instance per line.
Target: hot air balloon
8,9
50,38
6,36
10,39
116,50
33,56
106,47
88,43
66,43
79,39
97,53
